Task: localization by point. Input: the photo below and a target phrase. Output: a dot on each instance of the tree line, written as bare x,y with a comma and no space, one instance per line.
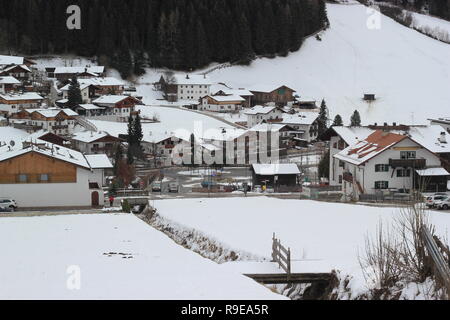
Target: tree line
177,34
439,8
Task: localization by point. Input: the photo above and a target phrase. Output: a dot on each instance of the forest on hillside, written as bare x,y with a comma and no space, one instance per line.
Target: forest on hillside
177,34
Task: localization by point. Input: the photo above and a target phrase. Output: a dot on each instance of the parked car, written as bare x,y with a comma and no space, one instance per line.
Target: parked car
8,205
173,187
443,204
257,188
156,186
431,200
208,184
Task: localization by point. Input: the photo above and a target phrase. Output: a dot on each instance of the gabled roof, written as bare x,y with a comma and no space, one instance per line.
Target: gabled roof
99,81
8,68
352,135
92,69
91,136
370,147
267,88
111,99
89,106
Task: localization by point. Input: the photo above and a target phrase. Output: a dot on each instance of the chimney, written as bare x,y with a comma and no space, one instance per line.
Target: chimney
385,124
394,124
375,124
187,76
442,138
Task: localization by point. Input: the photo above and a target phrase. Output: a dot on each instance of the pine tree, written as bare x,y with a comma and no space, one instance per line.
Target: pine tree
131,139
74,95
324,165
337,121
138,135
355,120
118,155
323,119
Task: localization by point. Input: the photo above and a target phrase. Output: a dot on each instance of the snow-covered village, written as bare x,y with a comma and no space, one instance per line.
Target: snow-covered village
316,168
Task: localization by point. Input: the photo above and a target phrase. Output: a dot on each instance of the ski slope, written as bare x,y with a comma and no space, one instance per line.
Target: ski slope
409,72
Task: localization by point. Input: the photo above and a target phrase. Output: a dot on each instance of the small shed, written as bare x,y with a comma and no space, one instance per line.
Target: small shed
369,97
275,175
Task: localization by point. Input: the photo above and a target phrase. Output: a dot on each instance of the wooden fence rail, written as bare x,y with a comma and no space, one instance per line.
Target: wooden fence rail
281,255
440,264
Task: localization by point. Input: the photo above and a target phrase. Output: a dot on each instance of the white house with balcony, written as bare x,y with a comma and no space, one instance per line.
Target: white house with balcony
258,114
387,162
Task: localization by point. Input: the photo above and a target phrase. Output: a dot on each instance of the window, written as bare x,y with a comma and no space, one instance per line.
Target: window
23,178
44,177
403,173
341,164
407,154
340,178
381,184
381,168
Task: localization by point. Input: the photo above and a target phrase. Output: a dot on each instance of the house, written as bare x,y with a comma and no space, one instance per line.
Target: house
90,110
223,90
101,168
265,94
14,102
50,137
15,60
57,121
119,106
221,103
89,142
8,84
39,174
93,88
275,175
386,162
189,87
305,124
65,73
21,72
443,122
258,114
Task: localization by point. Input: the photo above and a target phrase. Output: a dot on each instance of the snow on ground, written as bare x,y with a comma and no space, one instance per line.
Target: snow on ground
171,120
409,72
119,257
324,236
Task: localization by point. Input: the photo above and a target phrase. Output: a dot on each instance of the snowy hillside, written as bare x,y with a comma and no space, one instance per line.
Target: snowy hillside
409,72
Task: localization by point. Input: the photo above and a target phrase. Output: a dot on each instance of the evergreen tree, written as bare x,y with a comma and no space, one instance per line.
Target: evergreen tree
322,119
324,166
355,120
131,140
138,135
118,156
74,94
337,121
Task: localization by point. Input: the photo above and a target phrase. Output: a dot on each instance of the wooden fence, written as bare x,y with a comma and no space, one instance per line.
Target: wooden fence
281,255
441,266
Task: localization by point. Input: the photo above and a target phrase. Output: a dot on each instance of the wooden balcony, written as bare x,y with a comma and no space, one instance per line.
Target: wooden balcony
408,163
347,176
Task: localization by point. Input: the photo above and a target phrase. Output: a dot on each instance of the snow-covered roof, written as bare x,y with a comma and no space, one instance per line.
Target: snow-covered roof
351,135
264,127
48,149
99,81
275,169
429,137
99,161
91,69
266,88
52,112
8,134
215,88
370,147
89,136
9,80
22,96
433,172
110,99
4,60
90,106
259,110
305,118
23,66
191,79
228,98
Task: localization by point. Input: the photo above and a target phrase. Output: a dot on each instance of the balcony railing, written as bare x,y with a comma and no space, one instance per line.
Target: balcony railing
408,163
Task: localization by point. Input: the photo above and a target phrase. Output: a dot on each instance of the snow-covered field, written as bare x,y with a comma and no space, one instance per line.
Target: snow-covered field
323,236
439,28
118,256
